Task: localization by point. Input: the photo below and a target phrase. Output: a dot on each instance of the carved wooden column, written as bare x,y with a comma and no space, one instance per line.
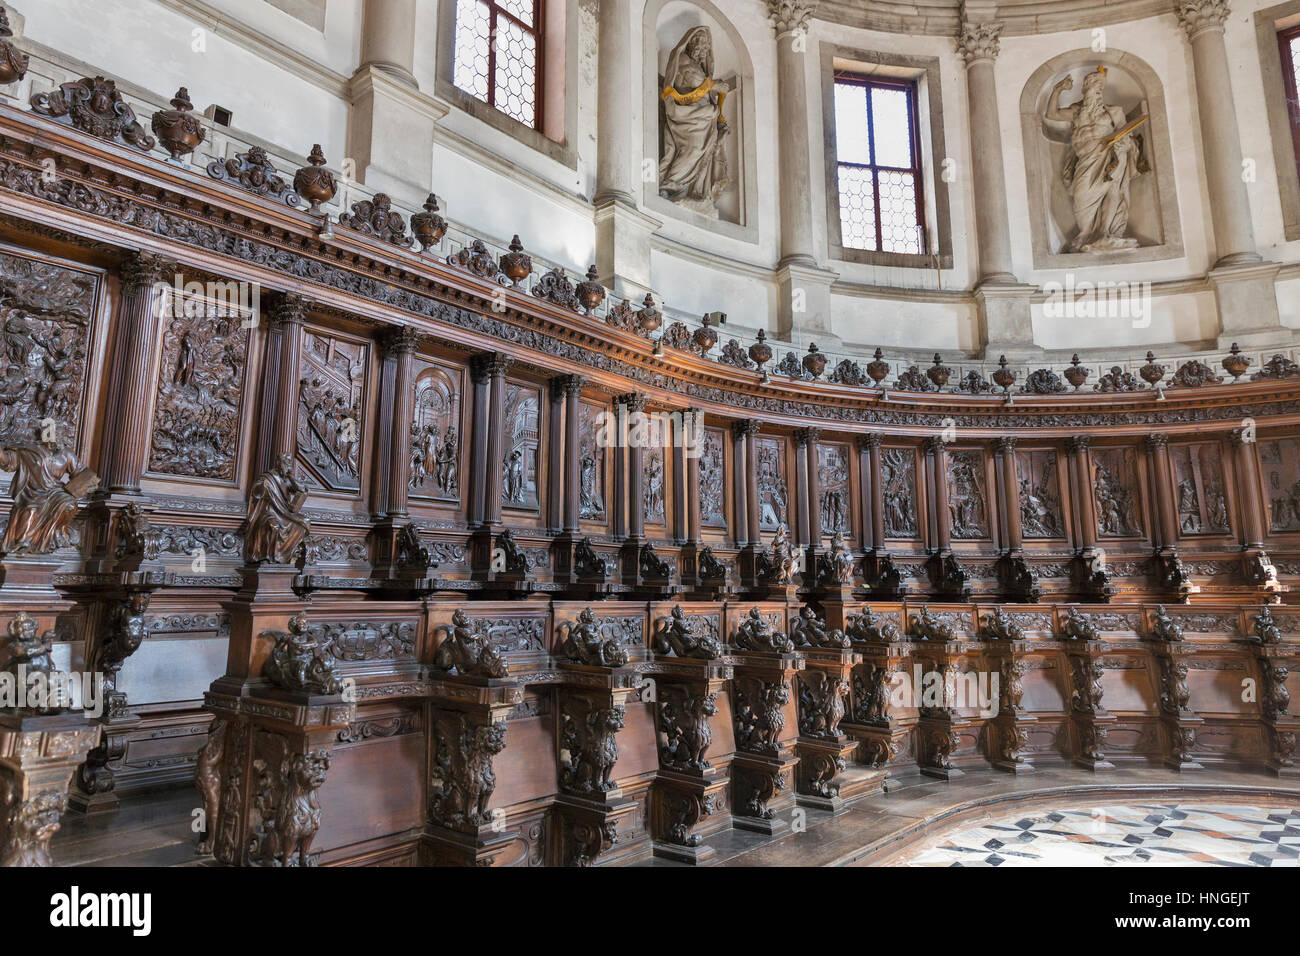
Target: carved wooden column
1256,565
1091,579
871,517
555,455
1088,716
1007,735
488,371
753,501
635,403
393,453
692,466
687,450
282,376
823,747
133,375
740,469
569,473
1018,579
936,463
805,480
941,645
1169,572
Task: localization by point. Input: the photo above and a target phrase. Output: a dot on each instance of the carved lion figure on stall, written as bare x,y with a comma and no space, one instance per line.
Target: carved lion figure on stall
465,778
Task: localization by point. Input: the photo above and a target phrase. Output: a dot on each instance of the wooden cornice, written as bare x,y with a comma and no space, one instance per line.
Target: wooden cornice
116,195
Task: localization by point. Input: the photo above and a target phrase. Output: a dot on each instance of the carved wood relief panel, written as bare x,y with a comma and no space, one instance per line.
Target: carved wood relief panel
331,407
968,501
437,462
200,389
833,478
1280,462
592,492
713,483
519,484
1041,513
654,481
898,484
1115,485
47,314
773,491
1199,491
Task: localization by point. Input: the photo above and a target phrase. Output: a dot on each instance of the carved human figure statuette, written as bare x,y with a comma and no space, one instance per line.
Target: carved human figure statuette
47,482
275,527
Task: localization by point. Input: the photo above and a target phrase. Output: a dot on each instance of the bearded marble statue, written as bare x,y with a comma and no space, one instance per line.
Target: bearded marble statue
1105,155
693,166
46,485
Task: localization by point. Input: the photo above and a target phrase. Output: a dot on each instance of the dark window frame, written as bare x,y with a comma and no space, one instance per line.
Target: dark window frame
909,87
1289,65
538,32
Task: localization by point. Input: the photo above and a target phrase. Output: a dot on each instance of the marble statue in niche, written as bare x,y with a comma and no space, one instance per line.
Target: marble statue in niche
652,484
693,168
46,313
833,482
1281,461
712,482
1040,497
330,410
898,481
1106,154
1117,504
200,387
773,495
591,467
1199,492
523,434
435,441
967,510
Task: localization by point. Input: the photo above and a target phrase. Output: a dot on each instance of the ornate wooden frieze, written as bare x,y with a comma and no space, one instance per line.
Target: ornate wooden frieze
773,492
435,444
520,466
47,314
968,508
1115,487
331,410
1040,494
712,465
364,641
378,728
833,475
196,426
1280,462
898,481
94,105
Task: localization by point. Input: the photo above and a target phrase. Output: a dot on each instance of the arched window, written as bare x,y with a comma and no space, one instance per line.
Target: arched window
498,55
879,164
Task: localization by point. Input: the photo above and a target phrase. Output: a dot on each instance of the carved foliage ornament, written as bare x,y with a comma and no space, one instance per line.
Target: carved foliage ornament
94,106
376,217
1197,16
979,41
790,16
255,172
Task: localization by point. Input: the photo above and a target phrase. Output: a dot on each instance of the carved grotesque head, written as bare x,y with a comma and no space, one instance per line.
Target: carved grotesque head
309,769
587,617
491,739
614,718
460,618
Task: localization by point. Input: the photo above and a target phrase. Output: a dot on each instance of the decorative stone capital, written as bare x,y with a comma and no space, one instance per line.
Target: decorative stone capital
1198,16
790,16
979,41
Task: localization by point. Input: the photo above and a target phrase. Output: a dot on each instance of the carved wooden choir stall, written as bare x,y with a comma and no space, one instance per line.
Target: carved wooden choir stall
504,573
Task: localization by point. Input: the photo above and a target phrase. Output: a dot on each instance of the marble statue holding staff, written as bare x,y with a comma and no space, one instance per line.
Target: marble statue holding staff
1105,156
693,166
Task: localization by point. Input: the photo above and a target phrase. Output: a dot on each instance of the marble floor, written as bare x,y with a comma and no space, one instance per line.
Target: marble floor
1138,834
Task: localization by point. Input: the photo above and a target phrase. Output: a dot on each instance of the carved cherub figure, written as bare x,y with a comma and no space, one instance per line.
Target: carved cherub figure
466,650
777,565
299,663
757,633
808,630
677,634
1077,627
585,643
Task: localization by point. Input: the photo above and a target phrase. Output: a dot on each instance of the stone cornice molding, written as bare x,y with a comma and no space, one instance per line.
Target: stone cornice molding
942,18
1198,16
790,16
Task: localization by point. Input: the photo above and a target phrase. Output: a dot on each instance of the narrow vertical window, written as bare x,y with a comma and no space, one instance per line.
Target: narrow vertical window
1289,40
498,55
879,160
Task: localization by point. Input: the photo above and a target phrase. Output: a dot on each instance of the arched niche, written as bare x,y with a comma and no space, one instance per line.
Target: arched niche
1134,87
665,22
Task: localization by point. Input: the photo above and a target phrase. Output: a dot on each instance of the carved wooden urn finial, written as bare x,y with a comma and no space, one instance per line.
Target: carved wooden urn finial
13,65
590,293
878,368
1004,378
1235,364
428,227
315,183
938,372
178,129
761,353
705,337
1076,374
1151,372
814,363
649,318
516,264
